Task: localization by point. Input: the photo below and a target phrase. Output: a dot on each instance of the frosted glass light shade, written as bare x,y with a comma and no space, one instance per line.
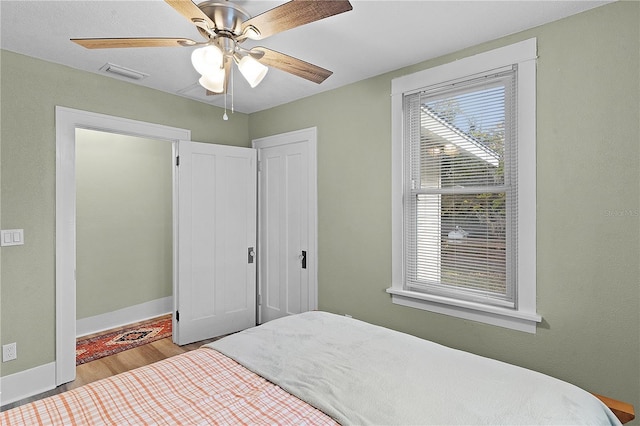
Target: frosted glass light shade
252,70
206,59
213,81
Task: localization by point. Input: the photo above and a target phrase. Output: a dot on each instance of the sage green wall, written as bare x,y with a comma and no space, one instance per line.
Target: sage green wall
588,231
124,222
30,91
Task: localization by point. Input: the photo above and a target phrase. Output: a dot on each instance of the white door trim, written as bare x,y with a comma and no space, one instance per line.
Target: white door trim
67,120
311,136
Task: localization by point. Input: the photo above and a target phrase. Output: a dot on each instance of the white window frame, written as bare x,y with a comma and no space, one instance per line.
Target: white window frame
524,317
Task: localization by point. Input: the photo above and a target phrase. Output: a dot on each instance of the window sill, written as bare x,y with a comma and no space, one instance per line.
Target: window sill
502,317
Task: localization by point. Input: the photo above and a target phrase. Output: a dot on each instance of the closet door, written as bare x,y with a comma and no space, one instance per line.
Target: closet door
287,224
215,292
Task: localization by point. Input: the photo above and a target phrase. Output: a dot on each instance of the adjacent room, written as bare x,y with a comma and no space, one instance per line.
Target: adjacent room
415,202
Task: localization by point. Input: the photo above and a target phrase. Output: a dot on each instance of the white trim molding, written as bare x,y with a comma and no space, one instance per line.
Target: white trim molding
67,120
486,314
124,316
27,383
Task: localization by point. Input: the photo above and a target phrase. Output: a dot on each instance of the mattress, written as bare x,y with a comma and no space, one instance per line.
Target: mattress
360,373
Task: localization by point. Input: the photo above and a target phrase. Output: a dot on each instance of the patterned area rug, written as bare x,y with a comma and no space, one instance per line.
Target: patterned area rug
96,347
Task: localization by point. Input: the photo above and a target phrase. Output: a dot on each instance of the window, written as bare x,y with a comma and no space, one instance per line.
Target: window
464,188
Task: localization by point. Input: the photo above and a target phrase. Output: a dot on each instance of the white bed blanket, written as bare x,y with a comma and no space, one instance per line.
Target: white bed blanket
362,374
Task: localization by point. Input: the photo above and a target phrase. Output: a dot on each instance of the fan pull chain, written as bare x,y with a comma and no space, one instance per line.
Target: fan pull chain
225,117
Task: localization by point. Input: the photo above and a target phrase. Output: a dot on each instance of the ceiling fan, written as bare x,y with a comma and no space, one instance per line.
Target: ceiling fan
225,26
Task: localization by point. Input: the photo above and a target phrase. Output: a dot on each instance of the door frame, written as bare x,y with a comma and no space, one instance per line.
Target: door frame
310,135
67,120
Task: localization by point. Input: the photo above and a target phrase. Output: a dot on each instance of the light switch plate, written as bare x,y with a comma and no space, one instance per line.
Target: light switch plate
11,237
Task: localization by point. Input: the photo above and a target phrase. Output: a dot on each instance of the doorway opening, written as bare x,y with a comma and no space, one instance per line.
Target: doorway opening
67,122
124,230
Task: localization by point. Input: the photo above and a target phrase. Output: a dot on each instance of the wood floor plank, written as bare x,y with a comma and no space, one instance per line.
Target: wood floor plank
167,348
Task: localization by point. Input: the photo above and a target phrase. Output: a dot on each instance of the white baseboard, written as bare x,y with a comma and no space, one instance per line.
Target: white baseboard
130,315
27,383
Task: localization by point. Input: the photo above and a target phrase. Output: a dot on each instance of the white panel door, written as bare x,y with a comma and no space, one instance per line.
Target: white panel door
216,287
287,224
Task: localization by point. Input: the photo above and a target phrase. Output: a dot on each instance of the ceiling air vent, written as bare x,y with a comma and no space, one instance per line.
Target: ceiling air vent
123,72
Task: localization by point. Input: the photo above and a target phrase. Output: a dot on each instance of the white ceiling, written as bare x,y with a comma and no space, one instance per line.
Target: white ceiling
374,38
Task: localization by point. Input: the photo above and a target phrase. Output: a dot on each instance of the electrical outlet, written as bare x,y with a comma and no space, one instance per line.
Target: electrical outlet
9,352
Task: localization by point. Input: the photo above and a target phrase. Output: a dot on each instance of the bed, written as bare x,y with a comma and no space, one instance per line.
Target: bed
318,368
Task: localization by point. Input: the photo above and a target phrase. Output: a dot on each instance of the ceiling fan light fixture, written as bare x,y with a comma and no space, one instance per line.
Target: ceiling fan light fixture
213,82
205,59
252,70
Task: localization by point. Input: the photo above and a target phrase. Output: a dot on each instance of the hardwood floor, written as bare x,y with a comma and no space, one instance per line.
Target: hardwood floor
115,364
128,360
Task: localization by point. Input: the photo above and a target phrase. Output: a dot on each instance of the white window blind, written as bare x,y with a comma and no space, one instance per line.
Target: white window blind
461,187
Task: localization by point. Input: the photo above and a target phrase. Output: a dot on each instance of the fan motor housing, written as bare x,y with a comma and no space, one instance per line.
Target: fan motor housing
227,17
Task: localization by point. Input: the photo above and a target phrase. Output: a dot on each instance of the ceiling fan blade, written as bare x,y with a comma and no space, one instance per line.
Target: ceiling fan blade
189,10
291,15
292,65
109,43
